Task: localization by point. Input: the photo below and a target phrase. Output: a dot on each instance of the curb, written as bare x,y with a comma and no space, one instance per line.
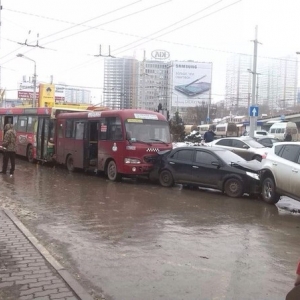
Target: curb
66,276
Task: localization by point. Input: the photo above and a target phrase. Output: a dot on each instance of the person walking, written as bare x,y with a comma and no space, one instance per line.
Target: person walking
209,136
9,150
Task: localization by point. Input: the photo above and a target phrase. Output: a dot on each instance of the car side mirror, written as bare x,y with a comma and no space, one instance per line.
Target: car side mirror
245,146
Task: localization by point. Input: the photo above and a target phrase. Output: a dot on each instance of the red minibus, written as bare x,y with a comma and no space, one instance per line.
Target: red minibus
118,142
34,128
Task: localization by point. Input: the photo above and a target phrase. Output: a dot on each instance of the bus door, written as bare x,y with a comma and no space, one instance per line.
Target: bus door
80,144
42,138
91,149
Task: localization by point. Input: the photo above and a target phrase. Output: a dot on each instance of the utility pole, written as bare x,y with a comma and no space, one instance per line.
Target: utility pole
253,119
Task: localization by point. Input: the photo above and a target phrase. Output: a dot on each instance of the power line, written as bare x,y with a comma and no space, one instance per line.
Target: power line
108,22
173,24
214,12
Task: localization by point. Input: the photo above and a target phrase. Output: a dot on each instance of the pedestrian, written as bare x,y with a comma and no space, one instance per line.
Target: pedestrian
9,151
294,294
209,136
288,137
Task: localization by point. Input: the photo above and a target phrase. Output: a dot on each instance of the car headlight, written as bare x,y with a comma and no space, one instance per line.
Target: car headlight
253,175
128,160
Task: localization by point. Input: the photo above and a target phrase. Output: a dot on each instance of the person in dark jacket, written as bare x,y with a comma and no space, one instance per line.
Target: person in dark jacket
209,136
288,137
9,149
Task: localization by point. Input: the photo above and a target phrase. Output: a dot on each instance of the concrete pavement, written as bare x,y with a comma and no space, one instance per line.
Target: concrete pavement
27,270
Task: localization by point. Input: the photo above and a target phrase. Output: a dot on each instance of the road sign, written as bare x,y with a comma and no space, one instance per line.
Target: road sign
253,111
207,119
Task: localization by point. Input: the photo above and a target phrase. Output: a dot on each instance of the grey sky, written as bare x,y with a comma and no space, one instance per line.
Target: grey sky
71,32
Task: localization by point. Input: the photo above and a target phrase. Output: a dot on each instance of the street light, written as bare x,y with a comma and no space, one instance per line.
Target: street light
34,78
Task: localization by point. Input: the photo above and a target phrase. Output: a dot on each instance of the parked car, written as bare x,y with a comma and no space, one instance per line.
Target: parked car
245,146
267,141
209,167
280,175
262,133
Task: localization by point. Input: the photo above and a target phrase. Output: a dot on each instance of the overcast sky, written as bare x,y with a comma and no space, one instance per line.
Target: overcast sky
201,30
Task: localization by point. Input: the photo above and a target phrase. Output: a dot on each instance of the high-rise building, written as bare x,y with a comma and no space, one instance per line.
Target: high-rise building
238,82
277,84
120,83
153,84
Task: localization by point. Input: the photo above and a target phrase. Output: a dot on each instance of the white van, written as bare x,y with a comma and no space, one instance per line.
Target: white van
280,129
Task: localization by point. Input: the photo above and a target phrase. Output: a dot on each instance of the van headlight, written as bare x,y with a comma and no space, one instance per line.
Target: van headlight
128,160
253,175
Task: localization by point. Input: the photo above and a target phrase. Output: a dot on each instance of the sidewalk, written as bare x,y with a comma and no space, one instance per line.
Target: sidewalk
27,270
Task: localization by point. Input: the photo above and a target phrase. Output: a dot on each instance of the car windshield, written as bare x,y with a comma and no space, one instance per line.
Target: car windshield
229,157
253,143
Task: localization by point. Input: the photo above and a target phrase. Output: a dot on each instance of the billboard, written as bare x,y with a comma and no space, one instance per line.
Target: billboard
191,83
46,95
25,91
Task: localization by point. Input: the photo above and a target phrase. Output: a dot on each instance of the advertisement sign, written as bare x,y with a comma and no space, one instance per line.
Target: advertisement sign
191,83
46,97
160,54
25,91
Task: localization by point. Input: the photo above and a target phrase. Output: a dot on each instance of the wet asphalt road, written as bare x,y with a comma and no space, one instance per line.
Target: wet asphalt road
138,241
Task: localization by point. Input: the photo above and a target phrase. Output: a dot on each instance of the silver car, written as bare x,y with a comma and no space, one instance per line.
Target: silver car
243,146
280,174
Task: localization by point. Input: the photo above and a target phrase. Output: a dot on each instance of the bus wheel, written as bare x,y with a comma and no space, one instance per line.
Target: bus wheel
70,163
30,154
112,172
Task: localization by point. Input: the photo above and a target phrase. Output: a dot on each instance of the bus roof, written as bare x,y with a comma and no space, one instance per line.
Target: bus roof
124,113
52,111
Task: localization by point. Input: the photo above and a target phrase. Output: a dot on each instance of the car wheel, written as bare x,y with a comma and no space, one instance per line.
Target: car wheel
269,194
234,188
70,163
166,179
257,157
112,171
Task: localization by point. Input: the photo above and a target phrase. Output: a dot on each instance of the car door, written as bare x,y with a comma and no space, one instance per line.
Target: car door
224,143
180,164
289,177
241,149
204,172
296,185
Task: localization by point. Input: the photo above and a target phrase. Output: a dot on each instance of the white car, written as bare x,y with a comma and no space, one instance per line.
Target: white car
244,146
262,133
280,174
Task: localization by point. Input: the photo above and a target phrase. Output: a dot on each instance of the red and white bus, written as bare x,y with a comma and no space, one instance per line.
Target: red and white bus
34,128
118,142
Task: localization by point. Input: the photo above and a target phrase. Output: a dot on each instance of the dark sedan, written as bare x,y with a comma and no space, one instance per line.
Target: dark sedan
209,167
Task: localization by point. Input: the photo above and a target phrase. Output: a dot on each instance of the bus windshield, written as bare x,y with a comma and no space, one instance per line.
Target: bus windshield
147,131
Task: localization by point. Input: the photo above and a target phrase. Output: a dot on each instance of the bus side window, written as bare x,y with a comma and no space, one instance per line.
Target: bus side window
103,129
79,130
69,128
60,132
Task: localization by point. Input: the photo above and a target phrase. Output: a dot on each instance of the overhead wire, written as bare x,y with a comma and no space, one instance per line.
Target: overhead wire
184,25
108,22
173,24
